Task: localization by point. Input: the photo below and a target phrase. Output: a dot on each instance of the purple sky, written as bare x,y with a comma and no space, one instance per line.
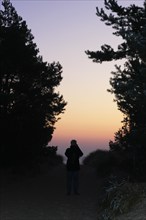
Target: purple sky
63,30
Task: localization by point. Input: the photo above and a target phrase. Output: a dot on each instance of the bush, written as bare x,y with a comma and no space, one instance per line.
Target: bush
49,156
119,163
118,198
102,160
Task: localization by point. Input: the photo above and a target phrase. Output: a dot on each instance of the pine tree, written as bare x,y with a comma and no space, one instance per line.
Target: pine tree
29,106
129,81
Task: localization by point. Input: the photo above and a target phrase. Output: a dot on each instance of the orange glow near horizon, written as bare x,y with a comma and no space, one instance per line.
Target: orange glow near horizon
92,131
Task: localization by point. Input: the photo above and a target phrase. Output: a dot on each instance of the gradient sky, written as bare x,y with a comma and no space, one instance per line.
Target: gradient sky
63,30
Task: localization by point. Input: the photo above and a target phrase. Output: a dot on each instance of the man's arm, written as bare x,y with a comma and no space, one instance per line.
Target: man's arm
67,153
80,152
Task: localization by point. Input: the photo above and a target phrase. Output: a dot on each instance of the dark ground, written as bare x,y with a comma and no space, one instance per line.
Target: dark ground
43,197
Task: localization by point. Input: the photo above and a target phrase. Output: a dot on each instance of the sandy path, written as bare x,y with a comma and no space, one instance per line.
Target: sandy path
44,198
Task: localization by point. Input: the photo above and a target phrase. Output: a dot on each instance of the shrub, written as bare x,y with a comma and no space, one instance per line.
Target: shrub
118,198
50,157
102,160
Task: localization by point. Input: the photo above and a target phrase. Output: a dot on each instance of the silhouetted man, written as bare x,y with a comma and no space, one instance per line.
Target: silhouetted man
73,166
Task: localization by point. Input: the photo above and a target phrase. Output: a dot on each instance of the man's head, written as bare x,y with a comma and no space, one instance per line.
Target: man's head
73,143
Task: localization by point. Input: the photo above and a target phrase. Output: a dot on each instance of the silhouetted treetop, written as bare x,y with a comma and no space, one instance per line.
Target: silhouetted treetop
128,81
127,23
30,105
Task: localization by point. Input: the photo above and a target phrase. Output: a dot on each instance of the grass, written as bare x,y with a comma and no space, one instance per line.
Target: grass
118,198
119,194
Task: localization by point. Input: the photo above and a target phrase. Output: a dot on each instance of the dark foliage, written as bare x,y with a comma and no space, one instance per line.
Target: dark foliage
128,82
122,164
29,105
49,155
102,160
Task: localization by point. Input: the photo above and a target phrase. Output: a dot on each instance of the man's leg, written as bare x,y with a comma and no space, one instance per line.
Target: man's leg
76,182
69,182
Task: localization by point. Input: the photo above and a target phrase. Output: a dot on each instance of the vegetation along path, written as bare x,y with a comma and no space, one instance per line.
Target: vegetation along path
44,197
